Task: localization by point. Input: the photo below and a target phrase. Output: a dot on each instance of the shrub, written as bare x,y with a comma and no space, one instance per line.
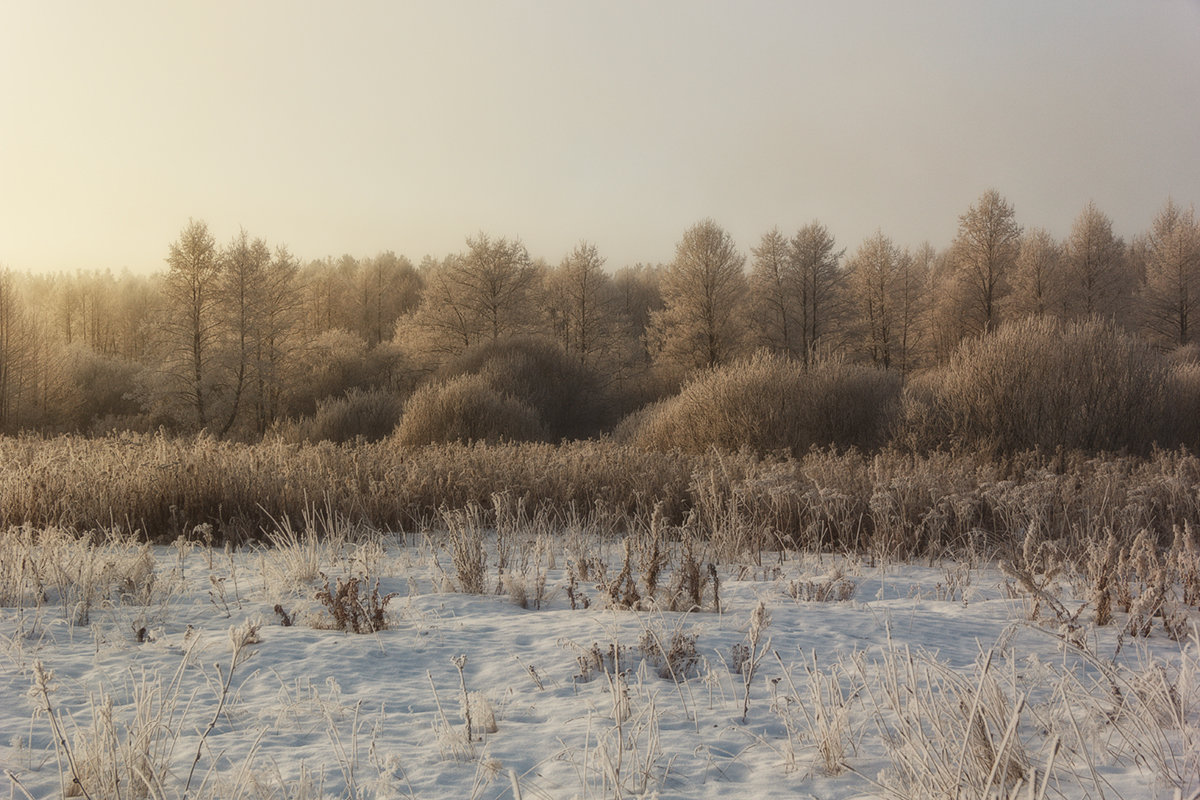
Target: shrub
771,403
372,414
1182,423
466,409
1040,383
336,362
536,371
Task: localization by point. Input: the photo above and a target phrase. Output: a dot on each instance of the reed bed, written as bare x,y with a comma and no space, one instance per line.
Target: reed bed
890,504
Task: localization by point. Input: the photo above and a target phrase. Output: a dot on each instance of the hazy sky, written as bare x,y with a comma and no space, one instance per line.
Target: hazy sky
357,127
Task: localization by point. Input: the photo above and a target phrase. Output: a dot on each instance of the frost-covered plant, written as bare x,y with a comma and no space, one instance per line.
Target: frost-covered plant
467,554
79,572
351,608
754,648
130,749
692,582
621,592
673,656
948,734
835,588
824,709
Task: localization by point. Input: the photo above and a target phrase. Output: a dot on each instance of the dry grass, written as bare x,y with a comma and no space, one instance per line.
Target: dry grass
134,751
78,573
166,486
730,507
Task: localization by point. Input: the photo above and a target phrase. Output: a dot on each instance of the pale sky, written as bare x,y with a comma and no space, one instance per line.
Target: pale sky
357,127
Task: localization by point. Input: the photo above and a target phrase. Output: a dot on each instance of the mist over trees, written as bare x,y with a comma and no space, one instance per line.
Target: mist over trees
243,339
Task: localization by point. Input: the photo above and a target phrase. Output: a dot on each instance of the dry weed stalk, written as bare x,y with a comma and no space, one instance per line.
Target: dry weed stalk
690,582
677,661
621,592
948,736
134,757
825,710
467,553
749,659
351,608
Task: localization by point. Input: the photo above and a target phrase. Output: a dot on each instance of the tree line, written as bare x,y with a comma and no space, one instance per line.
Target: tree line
242,338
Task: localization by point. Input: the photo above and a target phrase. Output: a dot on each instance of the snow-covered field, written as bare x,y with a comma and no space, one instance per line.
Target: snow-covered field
168,672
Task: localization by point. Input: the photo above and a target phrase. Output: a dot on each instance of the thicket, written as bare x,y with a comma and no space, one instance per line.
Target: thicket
265,344
566,396
1042,383
467,409
370,414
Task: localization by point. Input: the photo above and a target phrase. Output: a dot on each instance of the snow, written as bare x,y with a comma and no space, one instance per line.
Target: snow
316,712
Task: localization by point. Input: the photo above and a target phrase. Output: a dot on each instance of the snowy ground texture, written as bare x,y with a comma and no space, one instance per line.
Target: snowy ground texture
168,672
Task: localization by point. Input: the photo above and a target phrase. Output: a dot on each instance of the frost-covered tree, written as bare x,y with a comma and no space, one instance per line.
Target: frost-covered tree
585,312
793,285
1171,293
877,272
484,294
388,286
816,264
703,290
775,295
191,326
15,350
1037,279
1097,281
243,269
983,254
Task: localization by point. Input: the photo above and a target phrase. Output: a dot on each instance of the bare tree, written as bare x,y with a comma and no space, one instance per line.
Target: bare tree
983,253
14,350
793,288
330,297
1097,281
1037,280
481,295
243,265
815,262
388,287
1171,293
497,278
775,300
136,302
947,319
912,284
191,324
275,335
585,312
639,296
877,273
703,290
